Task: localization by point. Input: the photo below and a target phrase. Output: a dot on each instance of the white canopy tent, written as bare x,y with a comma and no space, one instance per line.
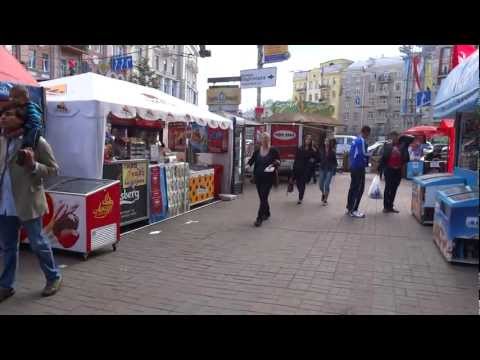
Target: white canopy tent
77,108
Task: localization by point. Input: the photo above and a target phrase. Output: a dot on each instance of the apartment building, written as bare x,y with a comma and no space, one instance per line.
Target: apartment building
371,96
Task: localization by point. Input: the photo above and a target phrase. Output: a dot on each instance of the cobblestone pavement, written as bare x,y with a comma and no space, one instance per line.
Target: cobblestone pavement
306,259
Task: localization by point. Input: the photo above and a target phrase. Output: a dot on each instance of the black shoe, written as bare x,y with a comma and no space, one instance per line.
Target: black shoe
323,198
299,202
6,293
393,210
258,222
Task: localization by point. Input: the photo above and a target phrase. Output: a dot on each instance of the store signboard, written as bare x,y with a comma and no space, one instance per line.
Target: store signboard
133,180
224,95
199,139
285,139
275,53
121,63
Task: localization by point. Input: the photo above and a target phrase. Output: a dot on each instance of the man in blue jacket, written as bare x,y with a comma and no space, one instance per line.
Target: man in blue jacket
358,162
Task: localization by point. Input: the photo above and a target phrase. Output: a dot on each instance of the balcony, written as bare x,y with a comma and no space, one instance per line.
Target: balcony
77,49
383,93
380,120
385,78
381,106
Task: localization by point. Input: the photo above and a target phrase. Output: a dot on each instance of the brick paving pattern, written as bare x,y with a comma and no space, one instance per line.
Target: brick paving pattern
306,259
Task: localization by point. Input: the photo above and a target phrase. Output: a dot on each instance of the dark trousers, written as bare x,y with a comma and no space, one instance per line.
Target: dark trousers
301,181
357,186
392,181
263,189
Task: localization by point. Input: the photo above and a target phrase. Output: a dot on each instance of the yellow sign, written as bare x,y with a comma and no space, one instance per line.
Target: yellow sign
134,174
269,50
104,208
224,95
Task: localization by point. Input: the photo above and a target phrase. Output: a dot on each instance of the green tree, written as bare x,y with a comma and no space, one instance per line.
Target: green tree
142,74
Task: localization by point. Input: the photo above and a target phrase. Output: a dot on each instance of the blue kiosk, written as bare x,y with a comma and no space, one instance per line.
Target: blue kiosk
456,215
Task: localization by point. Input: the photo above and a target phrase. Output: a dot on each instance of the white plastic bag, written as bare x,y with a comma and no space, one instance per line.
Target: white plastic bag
375,192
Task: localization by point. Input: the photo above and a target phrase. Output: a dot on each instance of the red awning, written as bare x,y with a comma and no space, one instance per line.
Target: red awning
427,131
12,71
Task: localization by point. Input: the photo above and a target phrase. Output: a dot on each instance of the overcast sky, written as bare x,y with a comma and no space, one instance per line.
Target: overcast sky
228,60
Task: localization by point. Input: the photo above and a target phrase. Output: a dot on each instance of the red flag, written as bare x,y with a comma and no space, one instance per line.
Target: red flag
460,53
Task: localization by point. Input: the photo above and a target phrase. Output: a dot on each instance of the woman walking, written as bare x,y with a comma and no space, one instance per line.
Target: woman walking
328,168
266,160
304,165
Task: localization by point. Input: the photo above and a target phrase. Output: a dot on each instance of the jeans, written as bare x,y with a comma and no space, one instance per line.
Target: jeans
392,181
39,244
263,189
357,186
324,181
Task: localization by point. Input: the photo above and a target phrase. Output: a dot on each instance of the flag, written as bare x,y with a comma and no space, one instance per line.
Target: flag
417,71
460,53
428,78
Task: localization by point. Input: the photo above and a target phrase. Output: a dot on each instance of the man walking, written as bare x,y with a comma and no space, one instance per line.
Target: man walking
394,157
358,162
23,203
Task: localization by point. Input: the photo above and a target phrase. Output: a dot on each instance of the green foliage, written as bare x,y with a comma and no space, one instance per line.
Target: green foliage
281,107
144,75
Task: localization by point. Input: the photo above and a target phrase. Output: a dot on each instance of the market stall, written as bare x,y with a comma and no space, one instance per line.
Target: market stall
455,225
101,127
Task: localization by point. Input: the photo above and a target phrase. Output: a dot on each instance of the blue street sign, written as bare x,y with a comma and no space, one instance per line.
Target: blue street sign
275,58
423,98
357,100
121,63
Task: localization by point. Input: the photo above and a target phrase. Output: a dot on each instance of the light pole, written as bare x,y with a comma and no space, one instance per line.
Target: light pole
259,89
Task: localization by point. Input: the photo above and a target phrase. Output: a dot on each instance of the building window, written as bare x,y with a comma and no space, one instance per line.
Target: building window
371,87
397,100
346,116
310,97
316,97
140,52
165,85
157,62
174,88
445,60
165,66
173,68
397,86
371,101
370,116
45,63
357,91
32,59
63,67
310,84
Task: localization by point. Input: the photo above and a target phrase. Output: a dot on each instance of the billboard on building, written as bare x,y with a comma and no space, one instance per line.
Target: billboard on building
224,95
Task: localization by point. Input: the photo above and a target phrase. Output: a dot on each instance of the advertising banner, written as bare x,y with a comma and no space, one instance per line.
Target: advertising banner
177,136
35,93
217,140
133,180
158,194
199,140
224,95
275,53
284,135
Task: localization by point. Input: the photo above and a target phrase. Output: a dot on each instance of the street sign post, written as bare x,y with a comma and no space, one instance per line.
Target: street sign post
257,78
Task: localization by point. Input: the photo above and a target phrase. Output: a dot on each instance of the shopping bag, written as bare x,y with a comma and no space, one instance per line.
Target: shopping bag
375,192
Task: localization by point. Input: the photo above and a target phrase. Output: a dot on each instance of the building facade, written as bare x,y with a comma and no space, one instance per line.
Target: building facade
322,84
175,65
371,95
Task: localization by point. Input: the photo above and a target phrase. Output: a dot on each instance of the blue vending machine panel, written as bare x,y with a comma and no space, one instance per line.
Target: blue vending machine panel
414,168
455,227
424,191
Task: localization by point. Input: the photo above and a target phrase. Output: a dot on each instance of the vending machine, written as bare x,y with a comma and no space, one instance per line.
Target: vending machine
455,226
424,190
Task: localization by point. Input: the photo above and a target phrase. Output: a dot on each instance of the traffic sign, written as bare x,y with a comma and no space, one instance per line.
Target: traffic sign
255,78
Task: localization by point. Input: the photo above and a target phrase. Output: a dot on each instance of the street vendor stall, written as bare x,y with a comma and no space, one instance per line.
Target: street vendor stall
455,225
101,127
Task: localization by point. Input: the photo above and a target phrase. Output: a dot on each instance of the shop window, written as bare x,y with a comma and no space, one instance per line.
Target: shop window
469,144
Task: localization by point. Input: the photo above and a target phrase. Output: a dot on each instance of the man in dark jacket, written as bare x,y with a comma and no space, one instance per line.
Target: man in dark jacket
395,156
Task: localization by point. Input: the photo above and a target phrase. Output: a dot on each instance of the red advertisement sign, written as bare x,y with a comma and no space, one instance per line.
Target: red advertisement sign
155,193
284,135
217,140
177,136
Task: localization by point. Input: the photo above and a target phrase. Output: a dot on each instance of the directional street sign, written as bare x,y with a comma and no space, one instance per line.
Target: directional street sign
255,78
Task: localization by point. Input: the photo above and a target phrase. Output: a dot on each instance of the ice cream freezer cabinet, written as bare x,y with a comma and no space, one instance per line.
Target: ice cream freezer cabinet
424,191
455,226
83,214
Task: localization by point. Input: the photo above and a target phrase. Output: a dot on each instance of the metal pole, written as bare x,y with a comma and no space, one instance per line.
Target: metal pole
259,90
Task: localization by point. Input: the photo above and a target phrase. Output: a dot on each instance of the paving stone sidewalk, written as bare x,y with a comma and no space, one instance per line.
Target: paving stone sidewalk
306,259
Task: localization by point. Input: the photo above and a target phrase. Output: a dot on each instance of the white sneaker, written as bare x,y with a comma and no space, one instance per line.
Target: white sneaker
357,214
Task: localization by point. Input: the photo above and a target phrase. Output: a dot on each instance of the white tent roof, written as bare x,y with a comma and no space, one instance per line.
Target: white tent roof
94,87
